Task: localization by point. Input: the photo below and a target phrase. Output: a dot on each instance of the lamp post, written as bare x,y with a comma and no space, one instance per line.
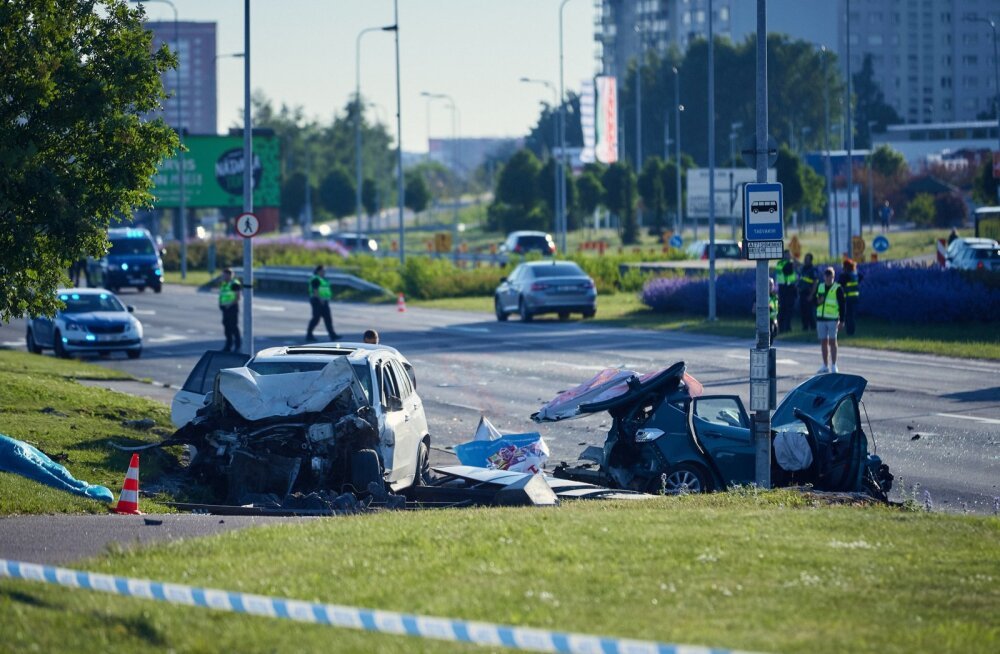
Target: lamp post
454,157
394,28
561,217
357,128
678,108
871,190
181,208
711,165
996,69
555,137
849,137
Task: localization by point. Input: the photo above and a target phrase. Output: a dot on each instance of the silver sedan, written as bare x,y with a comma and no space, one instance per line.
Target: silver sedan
559,287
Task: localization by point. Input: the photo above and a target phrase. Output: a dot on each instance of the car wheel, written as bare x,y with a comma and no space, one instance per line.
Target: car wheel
501,314
423,475
681,480
57,346
564,315
158,288
526,316
29,340
365,469
589,314
141,289
133,354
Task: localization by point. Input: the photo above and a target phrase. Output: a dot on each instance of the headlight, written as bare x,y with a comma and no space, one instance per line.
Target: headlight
124,266
648,435
75,327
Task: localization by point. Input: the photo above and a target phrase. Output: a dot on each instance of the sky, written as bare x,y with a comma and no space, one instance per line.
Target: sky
476,51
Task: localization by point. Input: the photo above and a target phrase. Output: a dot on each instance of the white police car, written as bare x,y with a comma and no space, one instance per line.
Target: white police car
92,320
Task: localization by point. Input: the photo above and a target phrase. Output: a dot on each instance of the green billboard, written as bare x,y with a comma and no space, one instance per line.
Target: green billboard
214,173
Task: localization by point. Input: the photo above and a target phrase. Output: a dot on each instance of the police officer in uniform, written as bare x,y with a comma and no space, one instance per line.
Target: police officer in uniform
829,308
850,279
807,293
319,300
229,304
787,280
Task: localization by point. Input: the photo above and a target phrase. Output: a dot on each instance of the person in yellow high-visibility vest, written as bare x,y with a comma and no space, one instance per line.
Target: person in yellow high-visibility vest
229,304
830,303
319,299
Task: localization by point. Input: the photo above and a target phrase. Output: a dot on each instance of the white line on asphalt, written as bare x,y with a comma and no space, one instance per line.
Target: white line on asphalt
989,421
575,366
461,406
12,343
169,338
144,312
477,330
268,307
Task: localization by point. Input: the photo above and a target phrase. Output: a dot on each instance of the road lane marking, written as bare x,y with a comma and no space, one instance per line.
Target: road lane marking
475,330
988,421
575,366
144,312
169,338
268,307
13,343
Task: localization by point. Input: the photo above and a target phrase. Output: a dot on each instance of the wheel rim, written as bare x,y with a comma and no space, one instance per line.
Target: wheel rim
681,482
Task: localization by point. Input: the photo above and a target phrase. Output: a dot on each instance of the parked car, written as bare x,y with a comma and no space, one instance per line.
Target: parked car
723,249
91,320
525,242
353,241
133,260
978,256
539,287
323,416
959,245
667,435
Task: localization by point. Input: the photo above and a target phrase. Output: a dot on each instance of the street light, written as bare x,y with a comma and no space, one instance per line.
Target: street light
555,137
849,128
394,28
357,127
678,107
996,69
182,208
561,218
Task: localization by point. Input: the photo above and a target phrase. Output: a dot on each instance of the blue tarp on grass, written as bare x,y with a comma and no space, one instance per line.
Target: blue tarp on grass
23,459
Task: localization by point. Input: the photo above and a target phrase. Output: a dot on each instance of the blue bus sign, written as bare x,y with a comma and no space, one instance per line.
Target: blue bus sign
880,244
763,212
676,241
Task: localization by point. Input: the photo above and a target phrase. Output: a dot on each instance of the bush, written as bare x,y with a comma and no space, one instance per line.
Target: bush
921,210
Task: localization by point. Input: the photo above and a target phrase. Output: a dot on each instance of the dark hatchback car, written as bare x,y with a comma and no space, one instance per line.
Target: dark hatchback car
667,435
526,242
559,287
133,260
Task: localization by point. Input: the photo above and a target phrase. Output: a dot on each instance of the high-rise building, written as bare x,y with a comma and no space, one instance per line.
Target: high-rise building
196,57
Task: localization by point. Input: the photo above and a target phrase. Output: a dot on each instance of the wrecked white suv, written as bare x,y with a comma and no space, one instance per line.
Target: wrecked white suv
325,416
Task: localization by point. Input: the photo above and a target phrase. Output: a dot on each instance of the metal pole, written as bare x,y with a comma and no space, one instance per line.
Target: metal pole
850,143
638,103
711,165
996,68
677,144
561,217
762,418
831,206
399,135
247,186
180,158
871,198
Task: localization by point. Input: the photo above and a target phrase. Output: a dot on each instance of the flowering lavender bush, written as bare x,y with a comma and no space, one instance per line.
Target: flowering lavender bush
911,294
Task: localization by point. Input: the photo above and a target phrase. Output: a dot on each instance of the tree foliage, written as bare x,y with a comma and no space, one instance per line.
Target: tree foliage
369,196
517,201
788,168
77,79
619,198
590,191
921,210
652,190
984,188
417,194
871,106
336,192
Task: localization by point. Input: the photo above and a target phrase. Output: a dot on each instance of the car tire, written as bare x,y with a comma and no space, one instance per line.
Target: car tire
158,288
365,469
29,340
423,475
682,479
564,315
589,314
141,289
526,316
57,346
501,314
133,354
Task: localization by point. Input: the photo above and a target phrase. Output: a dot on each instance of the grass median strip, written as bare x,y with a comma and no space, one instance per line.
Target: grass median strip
42,404
774,571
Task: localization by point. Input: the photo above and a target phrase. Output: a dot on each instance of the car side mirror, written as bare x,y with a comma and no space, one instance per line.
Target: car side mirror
393,403
130,308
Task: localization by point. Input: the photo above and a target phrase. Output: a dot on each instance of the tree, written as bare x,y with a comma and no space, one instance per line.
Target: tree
591,192
888,162
336,192
76,151
950,210
984,188
369,197
653,192
871,106
416,195
788,168
619,198
293,195
921,210
517,201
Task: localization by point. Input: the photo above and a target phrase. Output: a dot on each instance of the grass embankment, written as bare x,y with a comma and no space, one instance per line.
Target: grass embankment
970,341
41,404
765,572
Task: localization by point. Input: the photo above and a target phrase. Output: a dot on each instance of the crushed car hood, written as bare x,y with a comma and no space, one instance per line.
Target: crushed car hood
818,397
256,397
611,388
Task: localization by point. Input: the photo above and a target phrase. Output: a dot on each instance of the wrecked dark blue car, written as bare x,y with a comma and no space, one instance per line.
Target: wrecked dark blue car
668,436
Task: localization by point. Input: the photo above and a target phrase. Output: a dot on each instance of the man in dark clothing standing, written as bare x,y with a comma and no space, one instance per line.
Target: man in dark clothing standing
787,280
807,293
319,300
850,280
229,303
829,309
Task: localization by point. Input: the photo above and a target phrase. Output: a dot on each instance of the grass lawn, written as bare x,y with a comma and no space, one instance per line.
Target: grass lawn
972,341
194,277
758,571
40,403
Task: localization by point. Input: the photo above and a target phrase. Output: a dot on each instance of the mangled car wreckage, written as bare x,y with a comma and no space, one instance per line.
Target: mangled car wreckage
335,417
668,436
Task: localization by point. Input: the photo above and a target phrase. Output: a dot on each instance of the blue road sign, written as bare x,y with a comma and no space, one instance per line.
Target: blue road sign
880,244
763,211
676,241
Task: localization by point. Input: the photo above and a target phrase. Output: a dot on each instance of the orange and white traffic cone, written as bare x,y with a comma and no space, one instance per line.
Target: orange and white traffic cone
400,303
128,501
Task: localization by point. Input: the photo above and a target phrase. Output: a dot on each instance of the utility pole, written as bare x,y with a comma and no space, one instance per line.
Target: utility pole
850,144
247,185
711,165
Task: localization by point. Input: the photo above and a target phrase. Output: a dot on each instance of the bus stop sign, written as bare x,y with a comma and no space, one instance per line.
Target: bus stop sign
763,221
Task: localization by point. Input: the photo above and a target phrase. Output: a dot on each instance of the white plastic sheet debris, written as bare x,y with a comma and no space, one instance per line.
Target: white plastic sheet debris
486,431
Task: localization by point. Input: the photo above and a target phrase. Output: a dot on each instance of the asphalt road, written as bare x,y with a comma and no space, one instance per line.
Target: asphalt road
936,420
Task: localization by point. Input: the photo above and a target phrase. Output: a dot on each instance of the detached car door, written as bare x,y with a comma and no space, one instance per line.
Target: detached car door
722,428
191,397
391,420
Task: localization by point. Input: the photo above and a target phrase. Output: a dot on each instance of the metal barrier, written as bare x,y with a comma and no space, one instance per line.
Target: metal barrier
294,279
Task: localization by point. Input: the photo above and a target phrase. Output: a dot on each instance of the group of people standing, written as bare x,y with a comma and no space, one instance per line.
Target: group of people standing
320,294
826,302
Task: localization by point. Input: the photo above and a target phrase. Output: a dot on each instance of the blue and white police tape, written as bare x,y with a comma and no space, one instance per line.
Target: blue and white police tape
389,622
